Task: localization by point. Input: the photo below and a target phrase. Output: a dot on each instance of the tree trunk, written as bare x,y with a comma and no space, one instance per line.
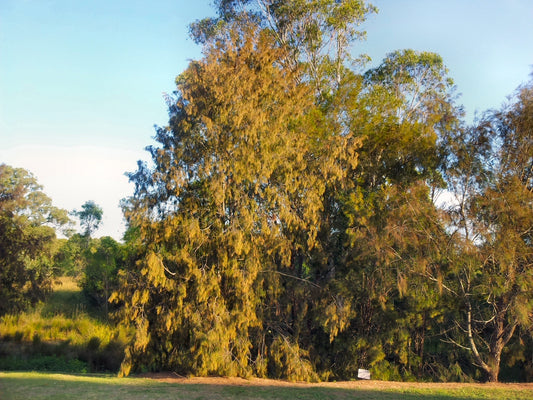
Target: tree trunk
502,334
494,370
421,344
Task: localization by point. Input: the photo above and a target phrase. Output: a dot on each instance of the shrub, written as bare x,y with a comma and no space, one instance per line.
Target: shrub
42,363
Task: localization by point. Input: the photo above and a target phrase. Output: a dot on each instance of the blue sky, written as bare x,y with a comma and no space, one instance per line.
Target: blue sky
81,82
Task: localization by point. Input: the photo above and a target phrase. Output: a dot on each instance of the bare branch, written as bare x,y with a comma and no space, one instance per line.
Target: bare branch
293,277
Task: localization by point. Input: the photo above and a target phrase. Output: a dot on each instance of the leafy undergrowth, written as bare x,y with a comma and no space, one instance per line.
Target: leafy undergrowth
24,385
63,334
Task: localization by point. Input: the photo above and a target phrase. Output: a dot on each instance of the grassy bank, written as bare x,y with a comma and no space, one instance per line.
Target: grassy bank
24,385
63,334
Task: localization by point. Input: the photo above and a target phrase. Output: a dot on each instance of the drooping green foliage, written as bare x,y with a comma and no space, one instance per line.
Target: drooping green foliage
27,238
233,198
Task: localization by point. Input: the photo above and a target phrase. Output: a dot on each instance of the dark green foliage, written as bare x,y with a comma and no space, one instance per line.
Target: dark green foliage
61,357
105,358
27,239
90,217
43,363
102,259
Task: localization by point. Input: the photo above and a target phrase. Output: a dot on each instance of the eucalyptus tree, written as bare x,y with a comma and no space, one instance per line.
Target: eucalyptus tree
490,270
27,237
317,34
90,217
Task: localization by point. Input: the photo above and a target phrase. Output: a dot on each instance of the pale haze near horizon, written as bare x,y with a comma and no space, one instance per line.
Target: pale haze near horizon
81,83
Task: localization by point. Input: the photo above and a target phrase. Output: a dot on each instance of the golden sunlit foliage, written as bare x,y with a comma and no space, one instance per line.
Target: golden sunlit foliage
236,192
288,226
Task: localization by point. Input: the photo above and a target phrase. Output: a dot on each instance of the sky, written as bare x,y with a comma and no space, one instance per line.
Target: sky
82,82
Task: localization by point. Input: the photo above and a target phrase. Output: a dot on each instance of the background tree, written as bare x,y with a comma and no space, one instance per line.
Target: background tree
27,236
69,259
102,261
90,217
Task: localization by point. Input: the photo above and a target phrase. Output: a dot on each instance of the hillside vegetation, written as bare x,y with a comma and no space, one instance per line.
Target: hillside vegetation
65,334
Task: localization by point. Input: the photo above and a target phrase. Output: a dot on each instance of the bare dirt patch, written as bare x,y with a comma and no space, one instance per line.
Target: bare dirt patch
170,377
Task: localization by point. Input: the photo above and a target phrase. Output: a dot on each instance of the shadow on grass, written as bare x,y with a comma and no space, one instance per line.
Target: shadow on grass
15,386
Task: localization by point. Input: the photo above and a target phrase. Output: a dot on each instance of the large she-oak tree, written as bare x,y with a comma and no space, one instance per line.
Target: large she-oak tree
234,194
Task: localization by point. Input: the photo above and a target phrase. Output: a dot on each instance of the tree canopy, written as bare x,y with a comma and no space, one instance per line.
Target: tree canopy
90,217
288,227
491,265
27,221
223,209
266,182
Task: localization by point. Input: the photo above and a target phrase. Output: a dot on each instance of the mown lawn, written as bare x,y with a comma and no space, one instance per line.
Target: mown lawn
32,385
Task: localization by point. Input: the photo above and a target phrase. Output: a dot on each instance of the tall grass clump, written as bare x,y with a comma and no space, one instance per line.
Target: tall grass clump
63,334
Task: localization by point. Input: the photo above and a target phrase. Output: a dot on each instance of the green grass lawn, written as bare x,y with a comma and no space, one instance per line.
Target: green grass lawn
32,385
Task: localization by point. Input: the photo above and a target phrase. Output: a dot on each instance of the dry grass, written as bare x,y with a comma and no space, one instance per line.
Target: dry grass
63,318
66,283
356,384
62,334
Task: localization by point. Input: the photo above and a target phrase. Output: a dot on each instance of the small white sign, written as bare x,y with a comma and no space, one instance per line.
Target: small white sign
363,374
